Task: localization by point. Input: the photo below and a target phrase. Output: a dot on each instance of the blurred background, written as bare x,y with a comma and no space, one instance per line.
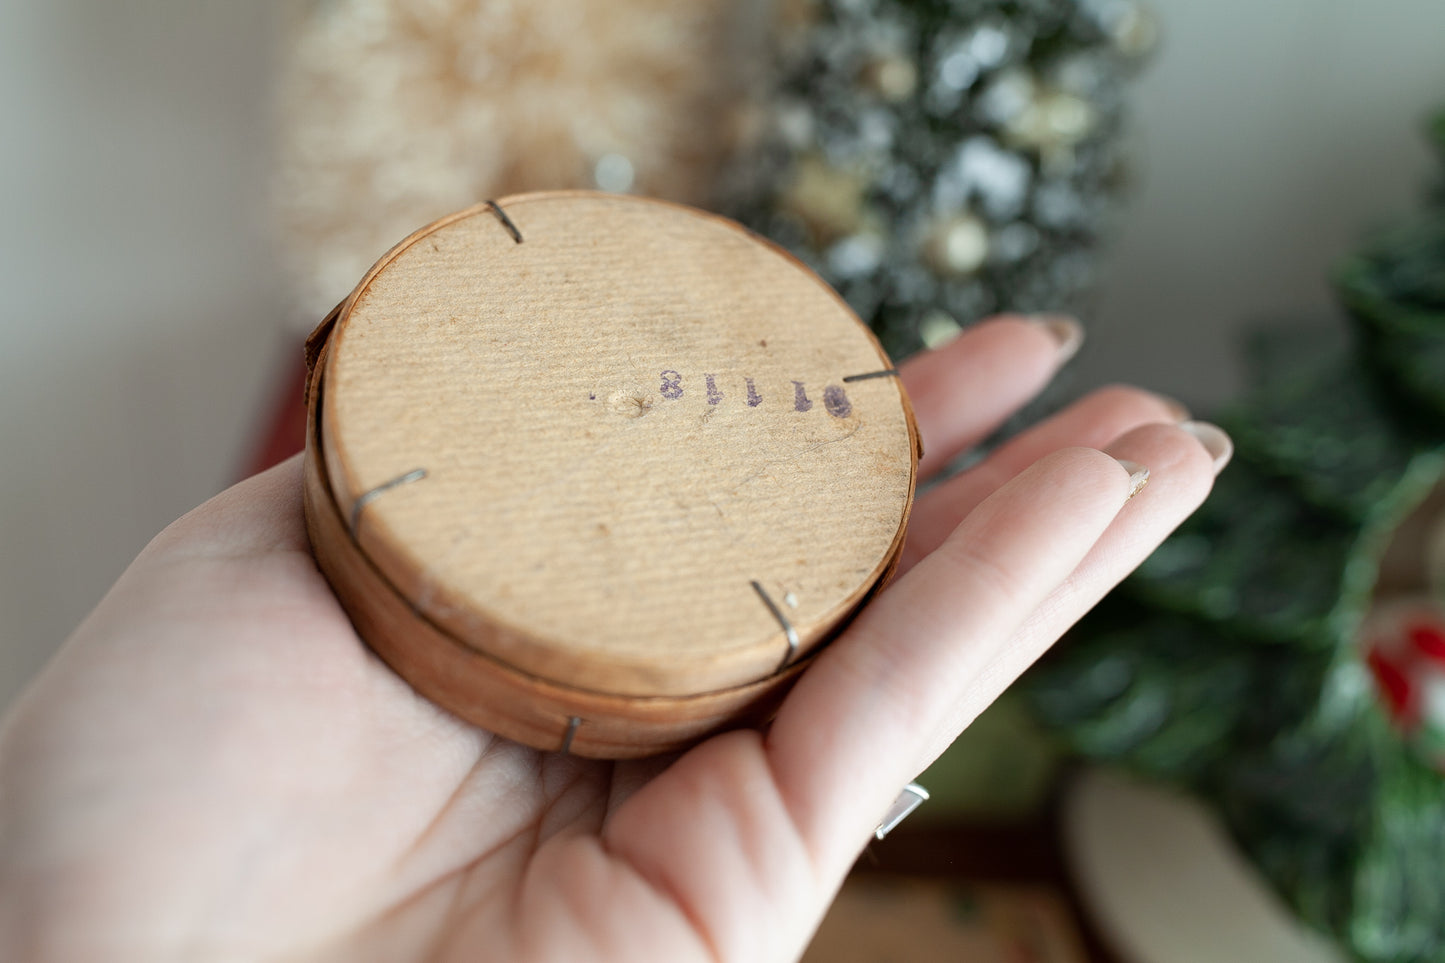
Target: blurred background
141,314
145,326
169,218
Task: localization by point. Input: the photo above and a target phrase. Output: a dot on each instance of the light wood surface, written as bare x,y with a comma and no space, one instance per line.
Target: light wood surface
608,432
494,695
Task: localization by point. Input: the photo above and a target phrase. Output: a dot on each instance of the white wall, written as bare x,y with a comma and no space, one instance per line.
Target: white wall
1271,136
138,316
140,321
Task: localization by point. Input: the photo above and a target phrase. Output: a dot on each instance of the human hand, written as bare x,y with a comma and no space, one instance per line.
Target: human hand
215,767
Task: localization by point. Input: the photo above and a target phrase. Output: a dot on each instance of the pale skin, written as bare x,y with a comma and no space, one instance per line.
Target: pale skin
216,768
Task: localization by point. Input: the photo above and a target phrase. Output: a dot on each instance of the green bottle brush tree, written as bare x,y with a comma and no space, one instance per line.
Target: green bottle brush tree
1283,655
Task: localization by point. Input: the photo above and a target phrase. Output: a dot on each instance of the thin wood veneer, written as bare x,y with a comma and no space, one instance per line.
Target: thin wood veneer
575,460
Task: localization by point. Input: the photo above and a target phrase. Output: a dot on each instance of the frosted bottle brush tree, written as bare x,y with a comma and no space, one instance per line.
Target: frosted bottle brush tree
940,161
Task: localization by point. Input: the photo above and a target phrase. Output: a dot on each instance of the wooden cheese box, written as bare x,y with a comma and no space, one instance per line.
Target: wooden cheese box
602,474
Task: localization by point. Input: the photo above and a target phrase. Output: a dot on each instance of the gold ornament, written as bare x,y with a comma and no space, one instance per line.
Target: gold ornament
1052,120
938,328
956,246
828,200
893,77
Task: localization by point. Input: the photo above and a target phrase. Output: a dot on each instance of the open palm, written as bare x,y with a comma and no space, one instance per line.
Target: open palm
215,767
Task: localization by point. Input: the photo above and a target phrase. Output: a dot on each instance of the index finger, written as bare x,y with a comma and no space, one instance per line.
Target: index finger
964,390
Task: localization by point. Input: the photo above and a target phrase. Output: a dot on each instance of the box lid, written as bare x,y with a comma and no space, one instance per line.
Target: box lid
614,444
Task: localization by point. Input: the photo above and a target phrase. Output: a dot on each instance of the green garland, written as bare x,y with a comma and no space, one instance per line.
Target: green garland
1230,663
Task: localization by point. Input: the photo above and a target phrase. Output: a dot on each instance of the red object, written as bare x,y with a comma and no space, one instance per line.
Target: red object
284,431
1395,686
1428,640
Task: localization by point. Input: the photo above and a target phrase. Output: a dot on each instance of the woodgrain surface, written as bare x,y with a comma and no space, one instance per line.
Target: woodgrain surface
494,695
624,420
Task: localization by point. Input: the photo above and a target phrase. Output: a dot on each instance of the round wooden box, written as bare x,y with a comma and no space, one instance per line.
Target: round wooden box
602,474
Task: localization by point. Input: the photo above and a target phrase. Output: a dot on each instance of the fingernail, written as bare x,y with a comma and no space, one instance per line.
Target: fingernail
1138,476
1214,440
1177,409
1067,332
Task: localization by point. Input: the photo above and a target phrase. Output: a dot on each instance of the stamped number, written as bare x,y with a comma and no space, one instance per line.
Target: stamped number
835,398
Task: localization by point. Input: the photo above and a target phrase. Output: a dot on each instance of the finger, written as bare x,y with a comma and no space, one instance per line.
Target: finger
964,390
1092,422
1182,462
255,517
860,722
749,836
